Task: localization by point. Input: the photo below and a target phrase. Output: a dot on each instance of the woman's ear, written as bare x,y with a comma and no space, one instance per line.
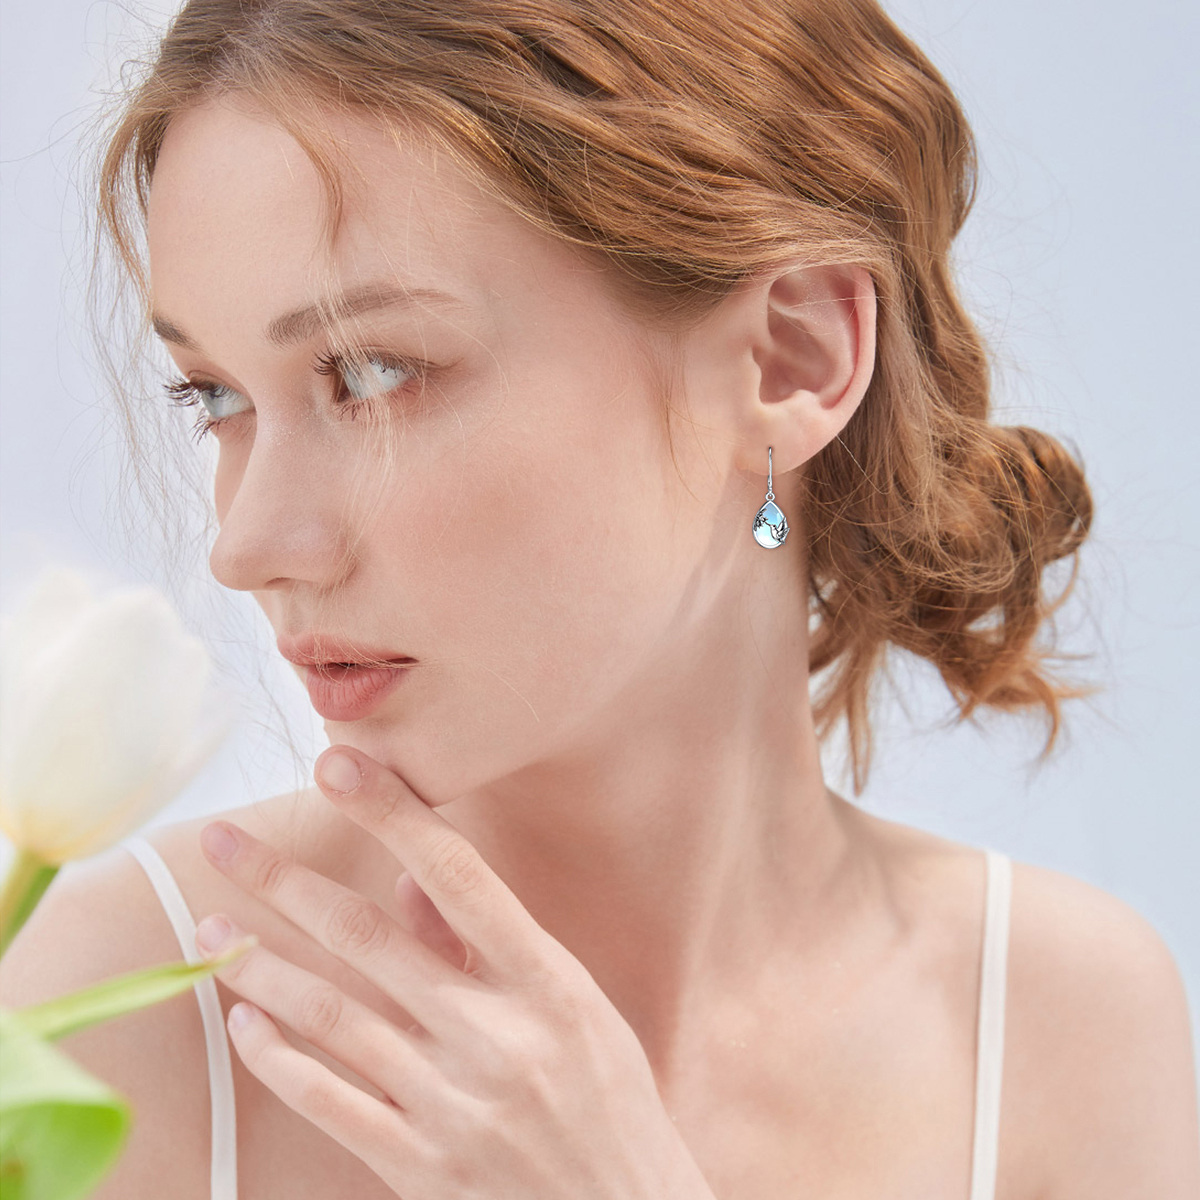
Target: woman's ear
810,333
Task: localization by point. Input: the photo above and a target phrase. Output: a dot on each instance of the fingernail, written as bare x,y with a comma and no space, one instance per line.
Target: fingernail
340,773
240,1015
219,841
213,932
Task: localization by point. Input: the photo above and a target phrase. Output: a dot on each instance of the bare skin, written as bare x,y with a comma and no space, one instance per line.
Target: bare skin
845,1071
632,751
612,678
611,695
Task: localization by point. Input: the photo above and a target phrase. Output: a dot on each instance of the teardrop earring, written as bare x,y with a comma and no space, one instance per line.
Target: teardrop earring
770,525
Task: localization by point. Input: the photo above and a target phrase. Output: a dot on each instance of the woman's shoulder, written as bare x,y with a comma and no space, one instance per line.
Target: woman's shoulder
1067,937
1098,1044
105,915
1083,952
1057,920
101,917
279,820
1098,1049
1099,1037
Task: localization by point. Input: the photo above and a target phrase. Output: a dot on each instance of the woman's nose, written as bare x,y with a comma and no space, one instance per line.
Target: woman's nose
283,520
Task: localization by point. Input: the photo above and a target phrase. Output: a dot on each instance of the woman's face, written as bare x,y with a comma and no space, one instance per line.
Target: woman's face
534,548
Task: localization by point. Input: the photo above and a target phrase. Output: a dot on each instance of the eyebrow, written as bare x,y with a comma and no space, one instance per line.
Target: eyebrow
302,323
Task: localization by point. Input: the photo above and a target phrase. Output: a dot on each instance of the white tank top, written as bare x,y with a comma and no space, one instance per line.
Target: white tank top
989,1042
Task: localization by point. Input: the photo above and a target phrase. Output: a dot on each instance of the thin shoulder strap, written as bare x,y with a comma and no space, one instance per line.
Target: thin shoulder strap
992,993
220,1070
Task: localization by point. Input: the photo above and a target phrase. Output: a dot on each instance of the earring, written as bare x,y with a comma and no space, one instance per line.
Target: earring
770,525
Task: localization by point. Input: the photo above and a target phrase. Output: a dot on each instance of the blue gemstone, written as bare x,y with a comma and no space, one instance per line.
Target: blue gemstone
770,526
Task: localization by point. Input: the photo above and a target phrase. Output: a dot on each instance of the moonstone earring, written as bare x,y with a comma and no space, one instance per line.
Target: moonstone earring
770,525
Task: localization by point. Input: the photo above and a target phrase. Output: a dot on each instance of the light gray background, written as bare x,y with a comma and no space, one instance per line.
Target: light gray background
1080,262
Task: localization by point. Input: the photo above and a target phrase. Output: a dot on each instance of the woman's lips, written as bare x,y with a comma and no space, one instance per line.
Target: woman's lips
341,692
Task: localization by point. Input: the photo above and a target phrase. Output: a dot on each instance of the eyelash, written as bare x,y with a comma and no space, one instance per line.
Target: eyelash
185,393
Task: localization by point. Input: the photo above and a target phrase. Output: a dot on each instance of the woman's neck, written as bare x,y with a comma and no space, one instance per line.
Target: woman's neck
678,888
676,857
682,843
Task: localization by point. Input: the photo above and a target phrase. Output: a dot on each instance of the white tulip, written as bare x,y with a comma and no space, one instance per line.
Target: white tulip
103,714
101,723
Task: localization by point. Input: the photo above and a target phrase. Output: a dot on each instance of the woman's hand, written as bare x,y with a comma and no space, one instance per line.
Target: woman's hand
520,1079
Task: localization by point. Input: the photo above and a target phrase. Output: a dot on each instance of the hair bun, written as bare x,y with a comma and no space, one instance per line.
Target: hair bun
1043,492
945,562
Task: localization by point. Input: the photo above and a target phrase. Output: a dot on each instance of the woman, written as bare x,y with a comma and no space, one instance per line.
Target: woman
571,354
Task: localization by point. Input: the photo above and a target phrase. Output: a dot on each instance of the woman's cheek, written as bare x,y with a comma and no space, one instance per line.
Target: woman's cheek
234,440
554,599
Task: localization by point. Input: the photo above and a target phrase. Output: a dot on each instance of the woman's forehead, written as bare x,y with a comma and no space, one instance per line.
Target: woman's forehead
237,205
223,165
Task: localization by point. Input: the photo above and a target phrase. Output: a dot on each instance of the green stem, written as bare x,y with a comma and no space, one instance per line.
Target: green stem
28,878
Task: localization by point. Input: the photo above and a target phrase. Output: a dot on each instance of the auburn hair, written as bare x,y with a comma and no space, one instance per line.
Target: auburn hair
692,144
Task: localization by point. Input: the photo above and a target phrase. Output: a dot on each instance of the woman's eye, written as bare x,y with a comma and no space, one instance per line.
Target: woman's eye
219,400
372,376
363,377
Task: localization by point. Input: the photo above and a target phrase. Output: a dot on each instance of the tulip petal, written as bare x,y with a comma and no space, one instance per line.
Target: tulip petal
57,596
102,722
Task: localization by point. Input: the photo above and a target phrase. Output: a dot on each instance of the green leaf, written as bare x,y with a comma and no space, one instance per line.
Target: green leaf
123,993
61,1129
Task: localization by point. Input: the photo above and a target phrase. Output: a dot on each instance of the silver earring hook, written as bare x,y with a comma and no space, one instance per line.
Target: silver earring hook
770,525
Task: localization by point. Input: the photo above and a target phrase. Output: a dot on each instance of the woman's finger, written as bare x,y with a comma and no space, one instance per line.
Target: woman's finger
477,904
377,1133
348,925
323,1015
